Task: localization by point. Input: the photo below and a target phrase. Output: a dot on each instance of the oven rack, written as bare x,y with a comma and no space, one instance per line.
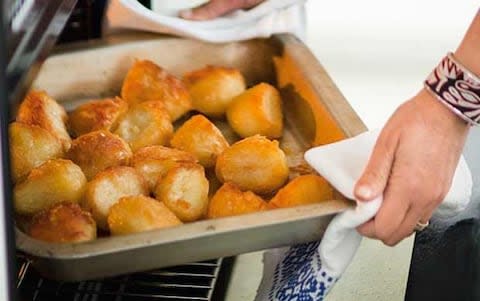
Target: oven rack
200,281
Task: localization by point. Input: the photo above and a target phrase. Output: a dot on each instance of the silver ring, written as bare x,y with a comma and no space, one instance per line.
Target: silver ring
421,226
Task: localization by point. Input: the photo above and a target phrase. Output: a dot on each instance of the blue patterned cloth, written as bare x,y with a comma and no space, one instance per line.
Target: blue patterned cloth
300,277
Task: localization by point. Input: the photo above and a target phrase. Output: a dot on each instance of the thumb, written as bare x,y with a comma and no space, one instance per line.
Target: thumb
375,176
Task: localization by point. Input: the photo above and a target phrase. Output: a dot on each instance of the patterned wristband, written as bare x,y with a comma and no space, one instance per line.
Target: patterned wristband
457,88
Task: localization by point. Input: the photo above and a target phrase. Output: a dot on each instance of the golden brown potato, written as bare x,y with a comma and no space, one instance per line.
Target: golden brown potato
99,150
229,200
145,124
30,146
108,187
213,88
41,110
140,213
52,182
202,138
303,190
257,111
63,222
184,190
152,162
159,152
100,114
254,163
146,81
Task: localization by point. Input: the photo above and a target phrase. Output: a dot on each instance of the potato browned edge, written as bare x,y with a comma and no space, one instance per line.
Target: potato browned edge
63,223
107,187
147,81
212,88
52,182
254,163
201,137
99,150
139,213
39,109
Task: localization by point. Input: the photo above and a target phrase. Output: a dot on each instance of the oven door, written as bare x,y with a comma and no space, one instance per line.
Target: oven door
28,30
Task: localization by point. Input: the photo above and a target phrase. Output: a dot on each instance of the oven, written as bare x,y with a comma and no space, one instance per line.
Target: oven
31,29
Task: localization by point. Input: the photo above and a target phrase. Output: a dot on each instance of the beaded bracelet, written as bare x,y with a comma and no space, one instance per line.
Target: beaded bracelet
457,88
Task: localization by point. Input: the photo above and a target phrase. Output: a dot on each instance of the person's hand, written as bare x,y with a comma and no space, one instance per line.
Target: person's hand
217,8
413,164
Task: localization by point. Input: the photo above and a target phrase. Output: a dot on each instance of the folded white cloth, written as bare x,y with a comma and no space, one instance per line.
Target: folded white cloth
267,18
307,272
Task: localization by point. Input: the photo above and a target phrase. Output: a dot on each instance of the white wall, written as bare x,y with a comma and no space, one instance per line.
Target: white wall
379,51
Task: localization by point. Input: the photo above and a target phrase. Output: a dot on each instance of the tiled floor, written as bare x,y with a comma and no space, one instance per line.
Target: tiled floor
378,52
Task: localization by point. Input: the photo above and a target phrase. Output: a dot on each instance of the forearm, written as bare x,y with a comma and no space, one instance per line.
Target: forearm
468,52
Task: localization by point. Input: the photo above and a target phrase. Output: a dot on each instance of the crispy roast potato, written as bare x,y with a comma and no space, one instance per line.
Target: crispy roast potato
52,182
257,111
184,190
213,88
152,162
303,190
100,114
229,200
108,187
63,222
30,146
202,138
41,110
145,124
254,163
99,150
146,81
139,213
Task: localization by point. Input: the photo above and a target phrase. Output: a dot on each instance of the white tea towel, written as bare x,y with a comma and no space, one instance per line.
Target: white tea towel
307,272
265,19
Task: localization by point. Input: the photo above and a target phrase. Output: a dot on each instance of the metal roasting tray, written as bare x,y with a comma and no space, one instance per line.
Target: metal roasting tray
315,113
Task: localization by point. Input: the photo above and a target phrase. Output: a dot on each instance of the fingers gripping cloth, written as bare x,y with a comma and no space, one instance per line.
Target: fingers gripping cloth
263,20
307,272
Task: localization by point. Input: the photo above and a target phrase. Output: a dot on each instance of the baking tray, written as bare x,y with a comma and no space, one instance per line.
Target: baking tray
316,113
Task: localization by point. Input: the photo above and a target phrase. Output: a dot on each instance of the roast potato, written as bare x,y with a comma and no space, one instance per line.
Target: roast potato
254,163
134,214
202,138
30,146
229,200
100,114
108,187
257,111
145,124
184,190
213,88
99,150
39,109
152,162
52,182
64,223
303,190
146,81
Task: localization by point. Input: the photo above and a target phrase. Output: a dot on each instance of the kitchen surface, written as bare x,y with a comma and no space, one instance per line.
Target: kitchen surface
378,53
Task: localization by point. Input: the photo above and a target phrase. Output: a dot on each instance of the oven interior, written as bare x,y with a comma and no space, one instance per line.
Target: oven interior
31,28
